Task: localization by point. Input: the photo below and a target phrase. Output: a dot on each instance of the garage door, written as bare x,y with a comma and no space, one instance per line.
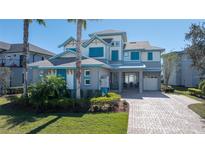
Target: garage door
150,83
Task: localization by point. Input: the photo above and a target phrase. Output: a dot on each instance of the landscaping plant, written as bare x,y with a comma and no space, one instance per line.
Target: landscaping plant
50,87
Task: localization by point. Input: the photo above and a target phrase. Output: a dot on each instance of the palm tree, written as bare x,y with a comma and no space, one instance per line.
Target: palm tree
80,25
26,23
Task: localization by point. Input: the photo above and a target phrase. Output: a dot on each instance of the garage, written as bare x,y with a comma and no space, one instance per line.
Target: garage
151,83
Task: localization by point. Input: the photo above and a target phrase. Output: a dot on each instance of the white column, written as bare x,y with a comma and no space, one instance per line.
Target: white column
140,81
120,81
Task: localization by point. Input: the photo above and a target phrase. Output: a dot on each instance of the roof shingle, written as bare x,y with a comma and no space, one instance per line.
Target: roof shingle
145,45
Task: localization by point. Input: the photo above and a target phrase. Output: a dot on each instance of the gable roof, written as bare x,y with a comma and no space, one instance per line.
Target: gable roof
4,45
86,62
144,45
72,53
67,41
85,44
108,32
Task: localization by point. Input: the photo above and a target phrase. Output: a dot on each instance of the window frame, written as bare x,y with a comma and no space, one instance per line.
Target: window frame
151,56
117,55
101,56
88,80
87,70
138,56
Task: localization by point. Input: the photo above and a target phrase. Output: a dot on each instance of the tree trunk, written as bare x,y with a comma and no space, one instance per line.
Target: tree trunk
25,57
78,58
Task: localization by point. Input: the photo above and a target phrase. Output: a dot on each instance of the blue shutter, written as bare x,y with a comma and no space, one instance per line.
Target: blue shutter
61,73
150,56
135,56
72,49
115,55
96,52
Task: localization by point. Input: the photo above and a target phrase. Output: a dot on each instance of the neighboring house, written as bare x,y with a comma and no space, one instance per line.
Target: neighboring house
183,74
11,56
106,55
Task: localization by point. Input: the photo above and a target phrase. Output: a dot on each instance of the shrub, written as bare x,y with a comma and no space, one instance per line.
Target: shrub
201,84
110,97
49,88
203,89
194,91
168,89
104,103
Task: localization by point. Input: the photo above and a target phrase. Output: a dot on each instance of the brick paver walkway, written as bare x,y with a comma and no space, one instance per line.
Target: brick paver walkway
155,112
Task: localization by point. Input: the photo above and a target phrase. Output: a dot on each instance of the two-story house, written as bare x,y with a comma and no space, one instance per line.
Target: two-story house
107,54
11,56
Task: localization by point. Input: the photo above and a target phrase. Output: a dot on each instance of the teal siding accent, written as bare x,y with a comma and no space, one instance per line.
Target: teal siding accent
115,55
61,73
150,56
72,49
135,56
96,52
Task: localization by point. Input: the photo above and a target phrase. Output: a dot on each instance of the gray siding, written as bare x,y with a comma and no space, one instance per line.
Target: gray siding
96,73
16,78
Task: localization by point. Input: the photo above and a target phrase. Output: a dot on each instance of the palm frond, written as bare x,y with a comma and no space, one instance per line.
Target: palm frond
41,22
72,20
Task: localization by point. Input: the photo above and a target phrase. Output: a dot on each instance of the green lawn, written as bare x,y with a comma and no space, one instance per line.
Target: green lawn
199,108
16,120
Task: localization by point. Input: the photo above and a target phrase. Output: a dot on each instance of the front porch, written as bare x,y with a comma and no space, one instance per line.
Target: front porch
127,80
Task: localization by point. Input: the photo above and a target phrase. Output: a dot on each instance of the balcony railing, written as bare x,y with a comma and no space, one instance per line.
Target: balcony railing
10,62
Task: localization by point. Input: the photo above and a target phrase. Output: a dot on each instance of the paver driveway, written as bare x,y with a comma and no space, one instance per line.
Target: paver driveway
155,112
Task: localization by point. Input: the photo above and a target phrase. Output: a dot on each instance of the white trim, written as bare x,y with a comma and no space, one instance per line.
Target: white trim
85,81
85,73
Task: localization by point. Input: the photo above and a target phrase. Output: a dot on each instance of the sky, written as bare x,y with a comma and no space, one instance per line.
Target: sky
168,34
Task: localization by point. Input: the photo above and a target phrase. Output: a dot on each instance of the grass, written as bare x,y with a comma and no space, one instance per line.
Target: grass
15,120
198,108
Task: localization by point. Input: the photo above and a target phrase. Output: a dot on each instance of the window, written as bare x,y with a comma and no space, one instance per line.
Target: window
61,73
86,81
150,56
115,43
87,73
96,52
135,56
115,55
21,60
71,49
86,77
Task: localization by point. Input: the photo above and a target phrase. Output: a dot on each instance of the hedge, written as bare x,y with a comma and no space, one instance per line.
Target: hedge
195,91
110,97
104,103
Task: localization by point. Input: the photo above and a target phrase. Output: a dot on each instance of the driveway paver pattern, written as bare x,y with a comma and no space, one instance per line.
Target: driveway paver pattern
159,113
